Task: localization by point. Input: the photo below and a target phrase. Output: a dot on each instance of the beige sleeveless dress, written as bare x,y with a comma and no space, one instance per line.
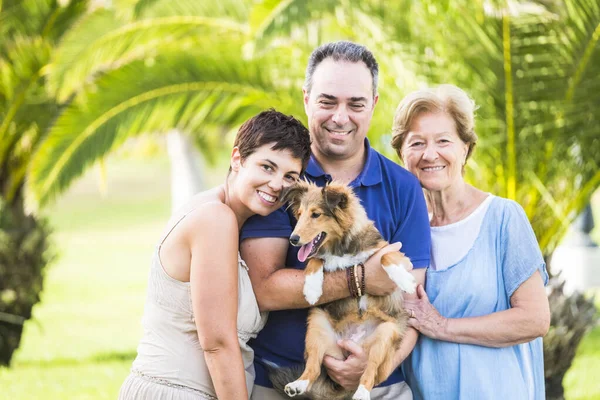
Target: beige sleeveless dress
170,364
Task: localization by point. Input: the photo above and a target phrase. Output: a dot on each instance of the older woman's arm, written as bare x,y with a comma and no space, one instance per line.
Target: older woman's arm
527,319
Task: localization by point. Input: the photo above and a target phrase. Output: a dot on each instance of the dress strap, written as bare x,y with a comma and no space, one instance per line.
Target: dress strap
241,262
169,230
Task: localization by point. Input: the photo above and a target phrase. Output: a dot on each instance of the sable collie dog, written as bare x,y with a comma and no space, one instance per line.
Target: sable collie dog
334,232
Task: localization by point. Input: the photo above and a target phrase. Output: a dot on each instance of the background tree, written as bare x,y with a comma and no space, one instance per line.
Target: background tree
29,31
131,71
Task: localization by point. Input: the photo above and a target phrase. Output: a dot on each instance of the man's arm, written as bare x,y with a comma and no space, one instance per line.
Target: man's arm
279,288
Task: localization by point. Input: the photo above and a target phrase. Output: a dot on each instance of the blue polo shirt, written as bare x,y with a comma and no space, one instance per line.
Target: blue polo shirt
393,199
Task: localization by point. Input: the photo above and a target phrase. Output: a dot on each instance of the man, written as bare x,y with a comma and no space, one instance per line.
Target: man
340,94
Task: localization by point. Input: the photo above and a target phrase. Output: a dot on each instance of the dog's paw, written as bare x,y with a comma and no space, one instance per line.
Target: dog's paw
313,287
296,388
362,394
409,284
402,278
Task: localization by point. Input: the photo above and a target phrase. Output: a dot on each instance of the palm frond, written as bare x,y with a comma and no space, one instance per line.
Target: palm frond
20,72
102,42
38,17
282,17
236,10
180,91
142,6
26,17
557,228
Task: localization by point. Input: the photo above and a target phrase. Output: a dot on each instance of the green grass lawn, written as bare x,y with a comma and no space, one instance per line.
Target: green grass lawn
83,337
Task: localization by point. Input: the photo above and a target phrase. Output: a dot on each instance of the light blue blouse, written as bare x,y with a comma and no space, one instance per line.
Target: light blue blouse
503,256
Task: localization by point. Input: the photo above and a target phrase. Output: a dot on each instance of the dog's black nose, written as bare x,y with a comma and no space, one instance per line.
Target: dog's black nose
294,240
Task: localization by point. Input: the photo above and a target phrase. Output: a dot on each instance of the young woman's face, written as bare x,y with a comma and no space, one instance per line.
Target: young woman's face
262,176
434,152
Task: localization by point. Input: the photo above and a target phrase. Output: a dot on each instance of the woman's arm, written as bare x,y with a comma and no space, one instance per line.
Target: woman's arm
213,240
527,319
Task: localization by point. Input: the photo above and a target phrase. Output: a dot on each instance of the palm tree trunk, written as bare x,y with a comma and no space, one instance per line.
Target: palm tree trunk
186,169
572,316
23,258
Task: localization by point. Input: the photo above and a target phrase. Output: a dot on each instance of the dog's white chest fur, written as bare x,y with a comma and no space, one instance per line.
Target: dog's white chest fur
333,263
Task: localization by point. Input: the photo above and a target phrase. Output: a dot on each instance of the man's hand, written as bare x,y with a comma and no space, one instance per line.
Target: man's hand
347,372
377,281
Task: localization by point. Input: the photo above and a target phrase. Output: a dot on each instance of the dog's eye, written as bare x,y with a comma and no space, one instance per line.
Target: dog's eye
315,215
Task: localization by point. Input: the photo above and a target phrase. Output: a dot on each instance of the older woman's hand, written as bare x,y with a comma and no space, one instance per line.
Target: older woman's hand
424,317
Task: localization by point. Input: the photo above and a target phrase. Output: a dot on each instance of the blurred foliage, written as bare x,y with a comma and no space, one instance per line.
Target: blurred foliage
149,66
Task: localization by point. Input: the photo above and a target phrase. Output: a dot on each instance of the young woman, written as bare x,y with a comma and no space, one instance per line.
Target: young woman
200,309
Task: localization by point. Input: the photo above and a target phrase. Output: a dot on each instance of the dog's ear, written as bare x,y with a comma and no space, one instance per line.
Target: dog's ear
293,193
335,197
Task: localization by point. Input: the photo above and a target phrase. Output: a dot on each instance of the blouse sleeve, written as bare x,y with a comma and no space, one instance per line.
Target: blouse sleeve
521,255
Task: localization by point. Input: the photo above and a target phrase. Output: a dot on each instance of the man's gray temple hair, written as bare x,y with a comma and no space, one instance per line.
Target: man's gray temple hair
342,51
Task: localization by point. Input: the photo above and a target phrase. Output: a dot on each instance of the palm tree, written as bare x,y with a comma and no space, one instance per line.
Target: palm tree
126,72
29,30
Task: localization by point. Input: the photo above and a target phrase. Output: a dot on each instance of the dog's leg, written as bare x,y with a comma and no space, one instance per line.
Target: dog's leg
380,346
313,280
396,265
320,340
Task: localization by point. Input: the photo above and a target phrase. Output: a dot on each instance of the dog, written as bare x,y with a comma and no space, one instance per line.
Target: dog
334,232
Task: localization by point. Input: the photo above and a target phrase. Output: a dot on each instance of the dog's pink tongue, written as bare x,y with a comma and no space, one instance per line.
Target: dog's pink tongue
305,251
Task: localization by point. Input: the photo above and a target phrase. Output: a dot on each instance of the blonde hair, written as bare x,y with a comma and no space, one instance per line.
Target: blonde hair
448,99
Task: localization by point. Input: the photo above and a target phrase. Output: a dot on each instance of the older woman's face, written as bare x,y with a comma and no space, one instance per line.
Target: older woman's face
434,152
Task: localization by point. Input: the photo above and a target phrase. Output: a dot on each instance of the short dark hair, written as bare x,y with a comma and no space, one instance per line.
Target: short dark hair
342,51
284,131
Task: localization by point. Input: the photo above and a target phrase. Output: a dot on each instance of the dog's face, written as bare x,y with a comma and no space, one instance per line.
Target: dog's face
322,215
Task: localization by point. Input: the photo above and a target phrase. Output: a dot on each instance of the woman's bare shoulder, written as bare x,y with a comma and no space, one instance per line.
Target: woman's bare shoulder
211,217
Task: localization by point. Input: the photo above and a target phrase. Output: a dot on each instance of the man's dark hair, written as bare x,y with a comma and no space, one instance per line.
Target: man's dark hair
342,51
283,131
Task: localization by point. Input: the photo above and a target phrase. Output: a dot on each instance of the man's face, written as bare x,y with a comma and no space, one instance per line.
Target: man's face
339,108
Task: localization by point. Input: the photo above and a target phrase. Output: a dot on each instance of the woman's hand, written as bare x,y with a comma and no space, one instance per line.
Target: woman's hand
424,317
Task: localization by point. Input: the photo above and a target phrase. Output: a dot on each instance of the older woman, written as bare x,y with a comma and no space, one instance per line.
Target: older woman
484,309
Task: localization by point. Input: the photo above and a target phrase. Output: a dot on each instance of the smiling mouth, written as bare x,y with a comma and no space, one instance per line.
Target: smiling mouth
267,197
339,133
433,169
309,249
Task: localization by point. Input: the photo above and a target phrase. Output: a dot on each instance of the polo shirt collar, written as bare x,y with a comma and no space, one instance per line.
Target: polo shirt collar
369,176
